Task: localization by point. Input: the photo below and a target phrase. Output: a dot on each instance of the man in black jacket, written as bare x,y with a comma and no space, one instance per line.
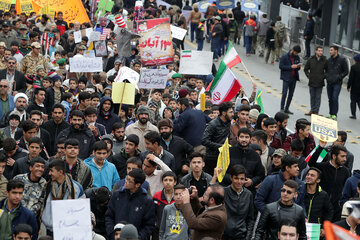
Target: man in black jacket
334,174
55,125
79,131
336,70
12,152
317,202
242,154
239,205
10,73
353,86
315,72
175,145
277,212
308,34
215,135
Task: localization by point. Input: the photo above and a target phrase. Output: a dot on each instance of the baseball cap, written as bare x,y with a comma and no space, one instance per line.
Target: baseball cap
23,26
6,23
82,47
218,18
280,152
36,45
24,37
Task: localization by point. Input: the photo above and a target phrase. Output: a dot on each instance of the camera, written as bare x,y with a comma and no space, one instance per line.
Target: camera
190,190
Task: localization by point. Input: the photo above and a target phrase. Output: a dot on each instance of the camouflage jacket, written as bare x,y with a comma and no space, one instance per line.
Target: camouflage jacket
29,64
32,197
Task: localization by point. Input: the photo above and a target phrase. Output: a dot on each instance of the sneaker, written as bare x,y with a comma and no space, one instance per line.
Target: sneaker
333,117
352,117
272,63
309,113
288,112
329,116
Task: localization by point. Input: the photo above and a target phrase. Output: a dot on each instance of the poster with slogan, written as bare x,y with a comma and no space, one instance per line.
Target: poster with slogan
196,62
153,78
323,128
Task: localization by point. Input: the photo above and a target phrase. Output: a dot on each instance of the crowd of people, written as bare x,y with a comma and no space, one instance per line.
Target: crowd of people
150,169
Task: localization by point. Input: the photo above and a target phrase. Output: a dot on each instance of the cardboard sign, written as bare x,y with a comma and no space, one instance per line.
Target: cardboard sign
196,62
155,42
323,128
123,93
85,64
71,219
128,74
178,33
153,78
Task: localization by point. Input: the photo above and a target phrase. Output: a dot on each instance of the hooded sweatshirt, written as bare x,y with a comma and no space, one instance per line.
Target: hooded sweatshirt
173,225
107,119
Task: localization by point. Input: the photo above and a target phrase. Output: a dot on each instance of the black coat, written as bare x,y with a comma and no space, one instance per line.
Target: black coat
270,38
22,165
45,138
336,69
332,179
84,136
315,71
8,173
273,214
309,29
354,79
251,162
19,79
318,207
50,99
119,160
54,130
181,151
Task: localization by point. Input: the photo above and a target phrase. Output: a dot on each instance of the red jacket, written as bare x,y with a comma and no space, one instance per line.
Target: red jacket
160,202
309,143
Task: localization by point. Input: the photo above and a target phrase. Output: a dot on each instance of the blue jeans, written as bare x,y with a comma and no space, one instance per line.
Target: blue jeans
315,98
287,86
248,41
193,27
333,92
200,44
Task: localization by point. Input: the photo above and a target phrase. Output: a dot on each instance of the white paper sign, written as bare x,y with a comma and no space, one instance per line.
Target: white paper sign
129,74
85,64
88,32
71,219
94,36
178,33
196,62
77,36
153,78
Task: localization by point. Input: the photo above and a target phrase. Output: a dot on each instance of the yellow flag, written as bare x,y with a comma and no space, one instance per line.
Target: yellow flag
223,160
202,102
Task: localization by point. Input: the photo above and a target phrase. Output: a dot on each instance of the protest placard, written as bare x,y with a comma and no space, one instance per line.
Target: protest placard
313,231
94,36
123,93
223,160
85,64
155,42
196,62
126,73
77,36
223,4
5,5
71,219
178,33
323,128
82,33
250,5
89,53
203,5
153,78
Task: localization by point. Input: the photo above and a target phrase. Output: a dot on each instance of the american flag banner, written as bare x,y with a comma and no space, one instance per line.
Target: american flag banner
105,32
119,20
47,40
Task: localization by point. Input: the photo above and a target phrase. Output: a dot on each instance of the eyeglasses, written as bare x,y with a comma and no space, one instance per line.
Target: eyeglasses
12,63
4,86
283,190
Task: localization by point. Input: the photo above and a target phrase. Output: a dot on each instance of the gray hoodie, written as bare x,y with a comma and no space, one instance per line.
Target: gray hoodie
173,226
264,25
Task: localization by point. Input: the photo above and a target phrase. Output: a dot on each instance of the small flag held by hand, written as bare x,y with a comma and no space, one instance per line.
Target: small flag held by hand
119,20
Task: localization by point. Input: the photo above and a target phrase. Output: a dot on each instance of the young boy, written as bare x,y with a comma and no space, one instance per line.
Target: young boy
3,180
164,197
200,34
95,100
103,172
66,101
46,82
173,225
74,89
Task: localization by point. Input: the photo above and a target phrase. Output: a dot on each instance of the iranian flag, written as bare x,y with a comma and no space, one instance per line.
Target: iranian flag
231,57
225,85
320,158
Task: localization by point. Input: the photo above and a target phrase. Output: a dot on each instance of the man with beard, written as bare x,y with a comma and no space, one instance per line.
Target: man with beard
7,36
79,131
281,122
106,116
243,155
190,125
21,102
16,79
117,136
175,145
209,220
216,133
130,150
14,121
55,125
6,100
142,126
334,174
15,51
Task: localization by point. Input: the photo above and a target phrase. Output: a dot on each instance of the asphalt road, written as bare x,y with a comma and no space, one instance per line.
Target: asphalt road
267,78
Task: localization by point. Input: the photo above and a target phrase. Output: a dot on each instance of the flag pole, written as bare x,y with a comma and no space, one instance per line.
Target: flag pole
247,71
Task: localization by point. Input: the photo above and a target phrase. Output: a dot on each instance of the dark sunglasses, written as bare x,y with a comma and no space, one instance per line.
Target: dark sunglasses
287,191
4,86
